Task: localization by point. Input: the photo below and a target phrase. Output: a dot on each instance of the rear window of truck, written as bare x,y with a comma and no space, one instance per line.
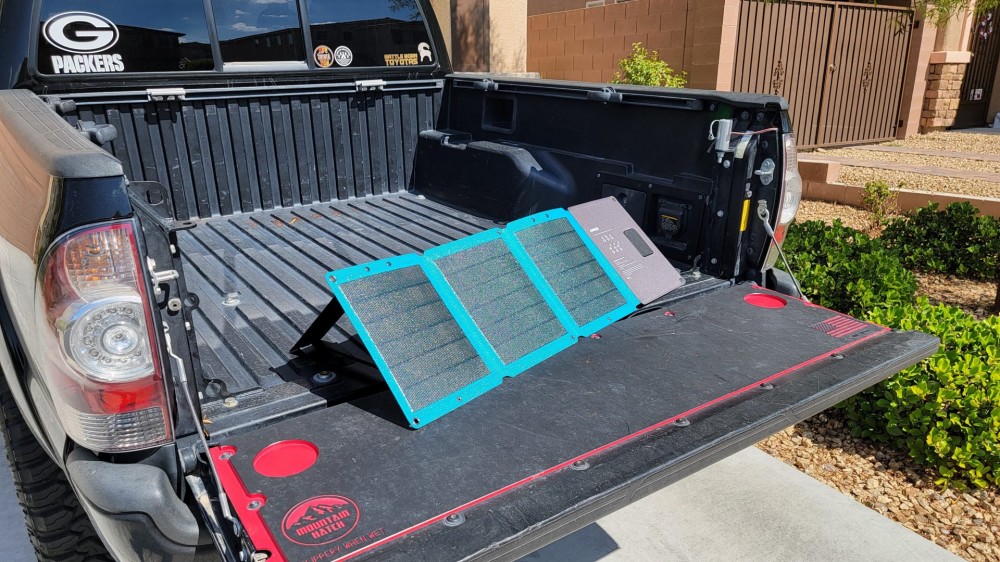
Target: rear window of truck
113,36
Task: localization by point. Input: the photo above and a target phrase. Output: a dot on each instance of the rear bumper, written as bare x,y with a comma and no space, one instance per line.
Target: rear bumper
135,510
572,499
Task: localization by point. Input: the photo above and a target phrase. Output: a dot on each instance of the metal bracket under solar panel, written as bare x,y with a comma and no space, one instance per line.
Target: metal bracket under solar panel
448,326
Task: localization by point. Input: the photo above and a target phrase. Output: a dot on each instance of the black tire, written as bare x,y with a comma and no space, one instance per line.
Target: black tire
57,525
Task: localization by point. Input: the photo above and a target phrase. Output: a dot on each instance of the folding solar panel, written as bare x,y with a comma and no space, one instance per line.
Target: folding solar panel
448,326
415,340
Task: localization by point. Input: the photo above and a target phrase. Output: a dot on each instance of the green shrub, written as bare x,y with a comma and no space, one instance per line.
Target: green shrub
645,68
846,270
944,411
880,202
957,241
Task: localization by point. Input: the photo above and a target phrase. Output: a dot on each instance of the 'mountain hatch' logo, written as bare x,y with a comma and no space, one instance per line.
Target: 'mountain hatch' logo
320,520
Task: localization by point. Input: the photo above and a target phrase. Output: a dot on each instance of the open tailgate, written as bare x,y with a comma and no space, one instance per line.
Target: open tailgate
656,397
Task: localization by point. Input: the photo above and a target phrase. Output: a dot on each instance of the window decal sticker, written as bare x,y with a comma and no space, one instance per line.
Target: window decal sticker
343,56
323,56
424,50
80,32
87,35
401,59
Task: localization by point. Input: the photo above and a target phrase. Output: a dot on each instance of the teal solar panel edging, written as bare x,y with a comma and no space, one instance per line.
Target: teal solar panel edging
449,326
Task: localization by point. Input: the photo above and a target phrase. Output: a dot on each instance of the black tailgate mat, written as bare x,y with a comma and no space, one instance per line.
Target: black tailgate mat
375,481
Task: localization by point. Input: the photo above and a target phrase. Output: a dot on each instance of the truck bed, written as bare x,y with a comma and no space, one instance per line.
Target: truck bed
259,277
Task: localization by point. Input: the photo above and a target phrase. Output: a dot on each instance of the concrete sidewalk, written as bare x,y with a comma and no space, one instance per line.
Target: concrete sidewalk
749,507
746,508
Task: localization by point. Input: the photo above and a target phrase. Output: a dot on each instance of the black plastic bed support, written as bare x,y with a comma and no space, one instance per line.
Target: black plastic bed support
323,323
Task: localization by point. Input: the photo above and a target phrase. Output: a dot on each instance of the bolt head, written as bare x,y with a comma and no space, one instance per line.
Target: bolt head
324,377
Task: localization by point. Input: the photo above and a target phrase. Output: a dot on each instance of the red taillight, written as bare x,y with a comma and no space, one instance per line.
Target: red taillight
104,369
791,196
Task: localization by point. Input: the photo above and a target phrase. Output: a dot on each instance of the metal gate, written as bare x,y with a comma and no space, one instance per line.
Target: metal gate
977,86
840,65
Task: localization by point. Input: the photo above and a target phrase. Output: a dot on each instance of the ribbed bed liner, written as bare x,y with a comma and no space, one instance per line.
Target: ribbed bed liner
259,276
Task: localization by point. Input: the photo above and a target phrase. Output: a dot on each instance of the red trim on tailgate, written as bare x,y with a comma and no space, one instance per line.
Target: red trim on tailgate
240,498
261,536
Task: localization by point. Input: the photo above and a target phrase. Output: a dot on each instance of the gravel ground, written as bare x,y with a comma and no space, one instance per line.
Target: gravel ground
919,159
823,211
919,182
974,297
890,483
947,140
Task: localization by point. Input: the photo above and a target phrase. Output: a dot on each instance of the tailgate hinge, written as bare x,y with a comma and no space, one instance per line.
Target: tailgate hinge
166,94
368,85
486,85
605,95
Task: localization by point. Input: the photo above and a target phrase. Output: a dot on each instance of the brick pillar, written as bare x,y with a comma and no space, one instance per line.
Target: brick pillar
944,88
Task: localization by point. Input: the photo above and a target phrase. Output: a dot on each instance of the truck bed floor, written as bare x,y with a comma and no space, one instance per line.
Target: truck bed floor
260,277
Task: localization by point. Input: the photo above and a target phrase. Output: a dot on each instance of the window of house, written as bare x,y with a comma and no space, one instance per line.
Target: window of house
109,36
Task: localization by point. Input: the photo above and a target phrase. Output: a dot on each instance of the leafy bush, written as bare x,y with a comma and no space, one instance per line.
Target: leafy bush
880,202
645,68
844,269
957,241
946,410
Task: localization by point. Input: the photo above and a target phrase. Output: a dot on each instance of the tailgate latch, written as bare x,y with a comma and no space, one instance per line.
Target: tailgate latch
368,85
166,94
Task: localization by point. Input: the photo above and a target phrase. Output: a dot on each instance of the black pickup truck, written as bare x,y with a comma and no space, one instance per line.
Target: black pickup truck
177,177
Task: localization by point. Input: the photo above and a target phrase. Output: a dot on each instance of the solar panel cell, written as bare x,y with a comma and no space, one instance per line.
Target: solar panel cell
501,299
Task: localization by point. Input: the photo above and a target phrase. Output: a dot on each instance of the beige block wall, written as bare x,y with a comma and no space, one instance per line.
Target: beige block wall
442,11
915,81
587,44
508,36
536,7
489,35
